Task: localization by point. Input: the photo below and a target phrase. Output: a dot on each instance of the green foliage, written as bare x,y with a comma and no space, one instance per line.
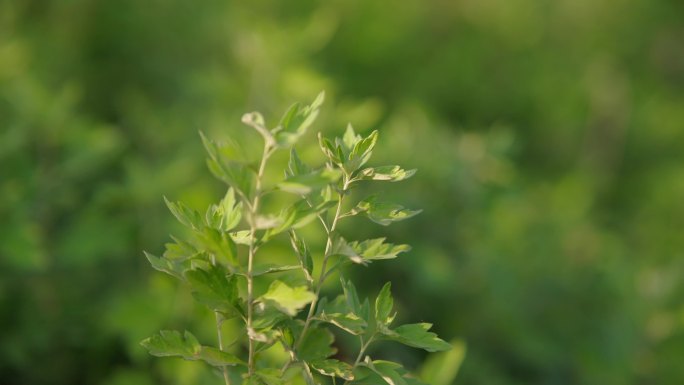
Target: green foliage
221,264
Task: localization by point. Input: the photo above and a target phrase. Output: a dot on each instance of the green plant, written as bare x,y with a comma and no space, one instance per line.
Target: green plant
220,263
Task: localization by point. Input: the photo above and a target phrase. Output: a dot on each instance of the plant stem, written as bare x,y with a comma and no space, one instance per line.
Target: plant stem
362,350
219,334
254,207
328,248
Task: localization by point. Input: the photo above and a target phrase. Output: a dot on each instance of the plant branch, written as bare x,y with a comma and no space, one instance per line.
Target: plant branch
219,334
328,248
254,207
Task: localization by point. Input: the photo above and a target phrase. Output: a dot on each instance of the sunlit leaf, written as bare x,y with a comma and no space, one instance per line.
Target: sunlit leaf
382,212
417,336
333,368
287,299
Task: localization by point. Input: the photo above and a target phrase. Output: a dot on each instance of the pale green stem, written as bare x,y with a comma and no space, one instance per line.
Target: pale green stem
219,333
328,249
254,207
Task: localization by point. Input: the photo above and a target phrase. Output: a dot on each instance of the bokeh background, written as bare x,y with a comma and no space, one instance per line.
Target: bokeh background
549,138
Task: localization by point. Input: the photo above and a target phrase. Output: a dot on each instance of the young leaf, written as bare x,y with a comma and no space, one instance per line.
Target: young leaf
226,215
383,305
349,322
219,244
185,215
305,260
375,249
385,173
179,250
333,368
287,299
361,152
225,162
351,297
214,289
417,336
172,268
295,166
296,121
381,212
216,357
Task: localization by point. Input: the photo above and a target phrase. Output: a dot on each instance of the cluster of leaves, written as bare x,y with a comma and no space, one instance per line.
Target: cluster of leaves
219,263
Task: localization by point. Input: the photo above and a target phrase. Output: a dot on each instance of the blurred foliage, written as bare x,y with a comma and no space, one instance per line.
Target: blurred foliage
548,138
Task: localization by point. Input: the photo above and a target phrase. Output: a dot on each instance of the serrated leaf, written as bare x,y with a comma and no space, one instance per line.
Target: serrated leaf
179,250
295,165
303,254
219,244
383,213
304,184
226,215
242,237
185,215
351,296
375,249
214,289
225,163
296,216
296,121
333,368
316,345
350,138
417,336
174,268
385,173
361,152
383,305
389,371
287,299
170,343
348,322
216,357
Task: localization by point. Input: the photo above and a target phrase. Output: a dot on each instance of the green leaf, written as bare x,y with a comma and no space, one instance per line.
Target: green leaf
316,345
383,305
442,368
295,166
295,216
375,249
219,244
329,150
304,184
269,376
361,152
268,268
170,343
216,357
225,162
348,322
351,297
214,289
226,215
385,173
417,336
296,121
179,250
333,368
350,137
175,267
303,254
382,212
185,215
287,299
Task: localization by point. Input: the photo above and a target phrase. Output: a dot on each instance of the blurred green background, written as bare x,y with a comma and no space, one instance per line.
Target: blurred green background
549,138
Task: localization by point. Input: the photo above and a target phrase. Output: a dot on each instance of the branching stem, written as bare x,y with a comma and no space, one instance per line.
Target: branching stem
253,210
328,249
